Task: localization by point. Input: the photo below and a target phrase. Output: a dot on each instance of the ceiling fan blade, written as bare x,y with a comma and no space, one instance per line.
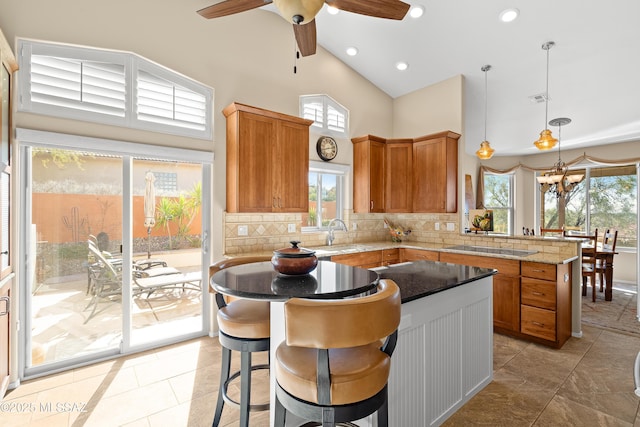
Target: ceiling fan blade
229,7
389,9
306,37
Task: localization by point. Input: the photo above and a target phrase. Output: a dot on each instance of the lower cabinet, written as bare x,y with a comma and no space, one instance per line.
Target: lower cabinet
409,254
367,259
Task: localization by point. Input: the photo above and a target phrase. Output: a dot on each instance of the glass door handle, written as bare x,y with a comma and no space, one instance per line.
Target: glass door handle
6,300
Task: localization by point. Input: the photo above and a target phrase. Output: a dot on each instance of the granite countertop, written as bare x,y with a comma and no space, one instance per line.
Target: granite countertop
515,254
418,279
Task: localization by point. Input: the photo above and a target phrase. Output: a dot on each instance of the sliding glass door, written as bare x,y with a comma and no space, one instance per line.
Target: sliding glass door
114,250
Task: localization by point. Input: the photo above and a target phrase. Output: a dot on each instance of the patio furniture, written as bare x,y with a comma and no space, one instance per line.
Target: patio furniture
106,280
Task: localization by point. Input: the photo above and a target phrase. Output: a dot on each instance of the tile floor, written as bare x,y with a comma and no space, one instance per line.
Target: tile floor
589,382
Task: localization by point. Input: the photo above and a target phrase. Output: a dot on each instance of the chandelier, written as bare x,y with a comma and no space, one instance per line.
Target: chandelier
485,152
546,140
558,180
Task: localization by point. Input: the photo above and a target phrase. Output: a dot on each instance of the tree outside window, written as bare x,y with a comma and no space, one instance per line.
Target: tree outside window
498,196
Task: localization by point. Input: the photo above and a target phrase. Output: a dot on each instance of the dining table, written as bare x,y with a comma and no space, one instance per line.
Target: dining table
260,281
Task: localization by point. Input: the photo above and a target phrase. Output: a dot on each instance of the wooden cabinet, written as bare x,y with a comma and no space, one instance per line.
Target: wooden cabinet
435,173
267,160
368,174
546,302
398,175
406,175
506,287
390,256
409,254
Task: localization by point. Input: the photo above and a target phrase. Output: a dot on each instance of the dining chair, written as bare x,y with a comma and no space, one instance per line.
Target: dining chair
608,244
243,326
552,231
333,366
589,250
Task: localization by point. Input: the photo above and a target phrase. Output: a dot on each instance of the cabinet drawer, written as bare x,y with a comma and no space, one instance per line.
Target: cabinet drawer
370,258
390,256
538,322
408,254
538,293
539,270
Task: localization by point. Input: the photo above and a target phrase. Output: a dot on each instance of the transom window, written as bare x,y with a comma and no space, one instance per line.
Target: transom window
111,87
328,115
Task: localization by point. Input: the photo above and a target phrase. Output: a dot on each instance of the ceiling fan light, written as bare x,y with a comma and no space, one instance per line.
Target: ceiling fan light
546,140
299,11
485,152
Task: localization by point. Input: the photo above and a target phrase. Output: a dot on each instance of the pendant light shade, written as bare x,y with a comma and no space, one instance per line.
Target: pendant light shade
546,140
485,152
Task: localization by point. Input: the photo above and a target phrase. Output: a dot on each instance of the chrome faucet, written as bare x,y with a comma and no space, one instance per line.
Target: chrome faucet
330,235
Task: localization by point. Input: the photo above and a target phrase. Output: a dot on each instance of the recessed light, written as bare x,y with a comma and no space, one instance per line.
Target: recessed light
509,15
332,10
352,51
416,11
402,66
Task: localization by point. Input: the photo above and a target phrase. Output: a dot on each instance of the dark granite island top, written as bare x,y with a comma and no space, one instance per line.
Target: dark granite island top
418,279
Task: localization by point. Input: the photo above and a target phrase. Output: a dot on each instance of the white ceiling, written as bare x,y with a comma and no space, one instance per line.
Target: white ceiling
594,68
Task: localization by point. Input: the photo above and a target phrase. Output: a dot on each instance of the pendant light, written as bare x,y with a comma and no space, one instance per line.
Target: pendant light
546,140
485,152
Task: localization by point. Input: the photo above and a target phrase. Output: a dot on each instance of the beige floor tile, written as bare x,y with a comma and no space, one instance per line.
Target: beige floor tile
564,412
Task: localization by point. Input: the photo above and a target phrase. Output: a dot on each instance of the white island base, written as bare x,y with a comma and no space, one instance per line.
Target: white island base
443,358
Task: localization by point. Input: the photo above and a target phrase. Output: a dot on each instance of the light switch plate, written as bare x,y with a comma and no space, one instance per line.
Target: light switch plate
291,228
243,230
437,226
451,226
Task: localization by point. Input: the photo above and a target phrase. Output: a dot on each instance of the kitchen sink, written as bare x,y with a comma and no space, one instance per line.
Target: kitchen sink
491,250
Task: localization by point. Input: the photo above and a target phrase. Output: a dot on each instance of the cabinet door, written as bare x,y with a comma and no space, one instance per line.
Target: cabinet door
291,168
368,175
429,178
257,137
363,259
399,177
409,254
506,302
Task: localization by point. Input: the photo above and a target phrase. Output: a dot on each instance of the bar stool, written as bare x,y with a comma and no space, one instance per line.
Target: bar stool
244,326
333,366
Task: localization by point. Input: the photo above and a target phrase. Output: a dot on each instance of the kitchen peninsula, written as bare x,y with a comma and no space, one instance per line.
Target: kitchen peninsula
445,347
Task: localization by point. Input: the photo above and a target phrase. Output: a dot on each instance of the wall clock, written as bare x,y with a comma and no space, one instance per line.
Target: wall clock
327,148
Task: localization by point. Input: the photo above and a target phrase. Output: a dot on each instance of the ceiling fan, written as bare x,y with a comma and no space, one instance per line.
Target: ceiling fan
302,13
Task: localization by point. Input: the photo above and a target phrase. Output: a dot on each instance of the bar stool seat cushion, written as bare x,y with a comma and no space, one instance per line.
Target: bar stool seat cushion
356,373
245,318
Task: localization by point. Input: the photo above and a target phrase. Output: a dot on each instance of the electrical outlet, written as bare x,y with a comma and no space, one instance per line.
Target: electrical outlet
354,226
243,230
291,228
451,226
437,226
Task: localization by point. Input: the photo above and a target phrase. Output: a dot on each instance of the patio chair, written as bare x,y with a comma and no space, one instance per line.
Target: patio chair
106,280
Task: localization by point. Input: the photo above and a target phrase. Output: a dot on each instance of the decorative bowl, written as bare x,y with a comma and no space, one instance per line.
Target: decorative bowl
294,260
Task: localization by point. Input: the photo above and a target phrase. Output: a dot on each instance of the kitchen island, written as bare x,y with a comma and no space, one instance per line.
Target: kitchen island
444,354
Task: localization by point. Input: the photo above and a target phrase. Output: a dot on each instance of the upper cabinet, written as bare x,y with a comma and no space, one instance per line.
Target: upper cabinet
406,175
435,173
368,174
267,160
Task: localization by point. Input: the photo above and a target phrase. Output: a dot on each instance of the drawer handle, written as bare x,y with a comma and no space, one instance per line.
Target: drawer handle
538,271
538,324
537,293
